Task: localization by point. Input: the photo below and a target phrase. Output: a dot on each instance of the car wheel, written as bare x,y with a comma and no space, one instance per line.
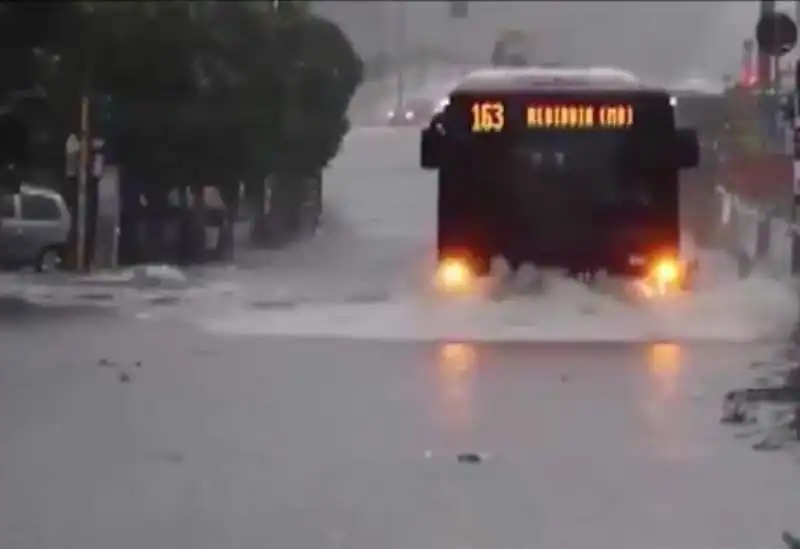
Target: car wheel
49,260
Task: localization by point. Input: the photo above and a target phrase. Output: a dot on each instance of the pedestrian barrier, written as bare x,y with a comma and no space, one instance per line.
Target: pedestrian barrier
760,238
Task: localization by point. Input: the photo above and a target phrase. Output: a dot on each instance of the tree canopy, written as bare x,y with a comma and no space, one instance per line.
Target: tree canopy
202,93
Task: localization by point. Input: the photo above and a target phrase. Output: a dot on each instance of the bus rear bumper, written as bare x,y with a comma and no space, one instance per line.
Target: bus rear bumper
655,274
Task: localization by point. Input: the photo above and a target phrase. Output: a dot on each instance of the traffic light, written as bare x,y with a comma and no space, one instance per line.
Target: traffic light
459,9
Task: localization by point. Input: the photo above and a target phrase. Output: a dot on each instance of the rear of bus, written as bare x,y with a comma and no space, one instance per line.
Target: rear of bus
582,180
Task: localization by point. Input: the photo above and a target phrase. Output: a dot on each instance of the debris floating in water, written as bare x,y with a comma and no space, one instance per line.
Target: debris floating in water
470,457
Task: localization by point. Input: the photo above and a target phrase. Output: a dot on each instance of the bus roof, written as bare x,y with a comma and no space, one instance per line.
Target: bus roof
552,78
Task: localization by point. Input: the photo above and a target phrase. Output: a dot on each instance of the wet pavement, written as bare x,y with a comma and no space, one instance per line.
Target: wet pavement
322,397
126,433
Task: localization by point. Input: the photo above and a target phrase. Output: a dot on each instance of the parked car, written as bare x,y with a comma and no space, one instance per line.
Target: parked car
34,227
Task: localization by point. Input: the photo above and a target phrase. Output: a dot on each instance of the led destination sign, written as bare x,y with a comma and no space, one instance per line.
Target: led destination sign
493,116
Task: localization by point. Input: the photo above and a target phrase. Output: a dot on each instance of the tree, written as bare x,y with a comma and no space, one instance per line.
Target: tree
27,29
293,74
323,71
192,94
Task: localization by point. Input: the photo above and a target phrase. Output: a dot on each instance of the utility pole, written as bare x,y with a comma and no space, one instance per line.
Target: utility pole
83,181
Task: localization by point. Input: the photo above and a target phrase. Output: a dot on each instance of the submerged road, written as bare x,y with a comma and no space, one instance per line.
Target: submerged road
323,400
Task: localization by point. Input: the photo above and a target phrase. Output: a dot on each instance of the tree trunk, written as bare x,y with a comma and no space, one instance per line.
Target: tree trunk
256,192
130,218
92,207
274,228
199,224
185,229
283,216
226,245
310,208
155,223
71,198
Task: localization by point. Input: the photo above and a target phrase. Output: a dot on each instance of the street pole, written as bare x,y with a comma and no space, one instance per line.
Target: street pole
795,218
765,62
83,178
400,47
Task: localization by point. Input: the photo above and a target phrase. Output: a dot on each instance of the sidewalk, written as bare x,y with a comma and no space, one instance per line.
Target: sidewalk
138,276
132,289
99,286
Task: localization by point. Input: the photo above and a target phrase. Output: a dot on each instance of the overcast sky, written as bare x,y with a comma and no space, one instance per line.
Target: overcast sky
660,39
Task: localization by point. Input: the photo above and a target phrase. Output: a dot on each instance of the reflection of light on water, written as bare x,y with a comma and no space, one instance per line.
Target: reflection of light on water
457,363
456,359
664,365
663,408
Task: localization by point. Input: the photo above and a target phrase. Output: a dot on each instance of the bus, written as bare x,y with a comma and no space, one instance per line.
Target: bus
575,169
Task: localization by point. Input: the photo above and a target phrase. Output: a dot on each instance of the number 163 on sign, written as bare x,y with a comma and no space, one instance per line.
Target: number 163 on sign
488,117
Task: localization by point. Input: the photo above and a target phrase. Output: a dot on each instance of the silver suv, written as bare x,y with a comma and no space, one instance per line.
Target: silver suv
34,227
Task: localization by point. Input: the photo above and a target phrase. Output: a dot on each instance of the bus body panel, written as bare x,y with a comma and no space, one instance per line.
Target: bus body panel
561,195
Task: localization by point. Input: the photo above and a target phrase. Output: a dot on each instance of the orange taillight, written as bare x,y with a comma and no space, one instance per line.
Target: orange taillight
454,275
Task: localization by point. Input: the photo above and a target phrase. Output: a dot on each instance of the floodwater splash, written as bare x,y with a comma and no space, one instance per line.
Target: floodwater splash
560,309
